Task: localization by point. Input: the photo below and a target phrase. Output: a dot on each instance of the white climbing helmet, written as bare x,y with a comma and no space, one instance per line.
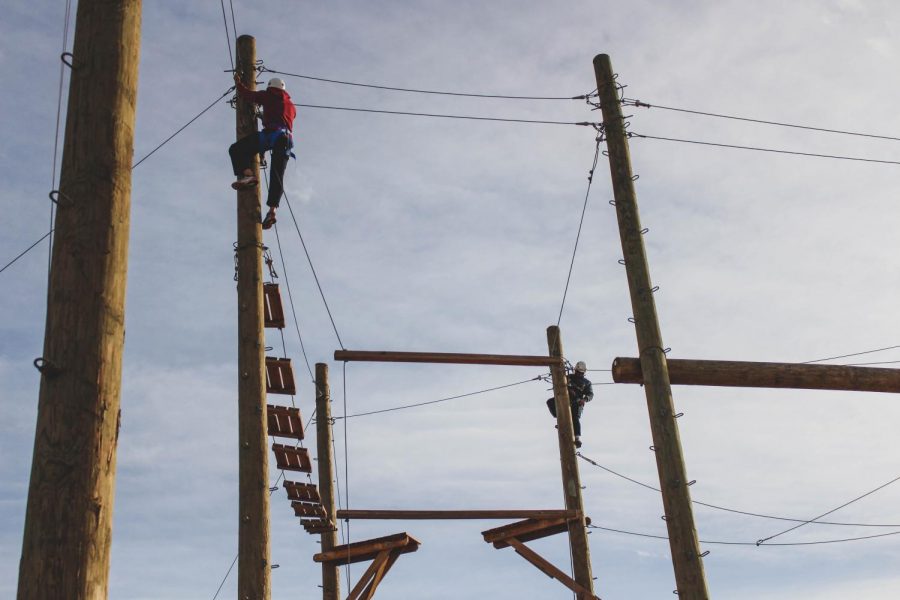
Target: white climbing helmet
580,367
276,82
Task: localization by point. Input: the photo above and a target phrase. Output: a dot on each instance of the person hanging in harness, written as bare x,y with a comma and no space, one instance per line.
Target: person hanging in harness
580,391
278,124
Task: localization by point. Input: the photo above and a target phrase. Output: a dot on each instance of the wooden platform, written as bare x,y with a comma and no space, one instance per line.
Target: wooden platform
280,376
284,421
356,552
303,492
306,509
317,526
292,459
273,310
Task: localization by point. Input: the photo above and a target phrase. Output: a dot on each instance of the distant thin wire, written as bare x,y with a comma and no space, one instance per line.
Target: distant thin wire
185,126
417,114
662,537
24,252
587,194
809,154
493,389
866,364
417,91
287,283
763,540
227,33
731,510
313,269
854,354
226,577
639,104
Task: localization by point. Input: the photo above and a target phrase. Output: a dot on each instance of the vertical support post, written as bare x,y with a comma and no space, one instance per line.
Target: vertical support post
68,520
571,479
683,542
253,502
331,586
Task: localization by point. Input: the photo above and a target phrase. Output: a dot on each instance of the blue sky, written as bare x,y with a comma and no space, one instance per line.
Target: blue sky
456,236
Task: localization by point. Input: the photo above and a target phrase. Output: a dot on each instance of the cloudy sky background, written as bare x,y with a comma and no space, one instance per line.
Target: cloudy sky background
450,235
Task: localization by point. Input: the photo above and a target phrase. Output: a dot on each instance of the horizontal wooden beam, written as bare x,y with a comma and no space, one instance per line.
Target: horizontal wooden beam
410,515
766,375
445,357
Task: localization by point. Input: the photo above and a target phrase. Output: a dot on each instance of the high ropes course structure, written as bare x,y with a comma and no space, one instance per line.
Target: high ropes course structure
80,376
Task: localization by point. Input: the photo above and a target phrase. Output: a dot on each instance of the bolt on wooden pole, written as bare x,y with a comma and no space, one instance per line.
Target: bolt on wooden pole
331,582
689,575
254,582
68,520
571,479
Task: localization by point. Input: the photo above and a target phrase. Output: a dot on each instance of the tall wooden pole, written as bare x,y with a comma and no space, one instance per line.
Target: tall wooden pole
331,586
685,548
253,532
68,520
571,479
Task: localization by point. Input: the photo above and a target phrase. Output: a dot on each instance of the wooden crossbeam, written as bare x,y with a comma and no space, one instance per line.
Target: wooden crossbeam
280,376
273,310
445,357
292,459
304,492
284,421
367,549
410,515
525,531
765,375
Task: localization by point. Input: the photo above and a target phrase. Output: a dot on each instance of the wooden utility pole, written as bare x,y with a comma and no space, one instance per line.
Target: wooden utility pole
253,532
685,548
331,582
571,479
68,521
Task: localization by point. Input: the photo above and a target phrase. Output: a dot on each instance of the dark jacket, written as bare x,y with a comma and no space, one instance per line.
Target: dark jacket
580,388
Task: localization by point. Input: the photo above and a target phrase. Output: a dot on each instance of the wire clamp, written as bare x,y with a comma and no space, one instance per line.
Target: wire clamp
71,58
55,196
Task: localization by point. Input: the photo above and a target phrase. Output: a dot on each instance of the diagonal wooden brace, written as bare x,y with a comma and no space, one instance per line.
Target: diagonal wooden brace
548,569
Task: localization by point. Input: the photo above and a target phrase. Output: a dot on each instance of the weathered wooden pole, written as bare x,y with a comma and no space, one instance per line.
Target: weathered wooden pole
689,575
254,582
765,374
68,520
571,479
331,582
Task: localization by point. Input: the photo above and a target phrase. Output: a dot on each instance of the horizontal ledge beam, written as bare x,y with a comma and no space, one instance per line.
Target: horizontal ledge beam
445,357
409,515
765,375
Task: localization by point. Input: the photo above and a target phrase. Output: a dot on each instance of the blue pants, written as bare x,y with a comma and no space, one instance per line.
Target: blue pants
279,141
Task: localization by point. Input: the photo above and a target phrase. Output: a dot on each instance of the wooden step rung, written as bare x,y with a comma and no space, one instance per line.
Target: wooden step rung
284,421
292,459
399,543
273,310
280,376
317,525
304,509
304,492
